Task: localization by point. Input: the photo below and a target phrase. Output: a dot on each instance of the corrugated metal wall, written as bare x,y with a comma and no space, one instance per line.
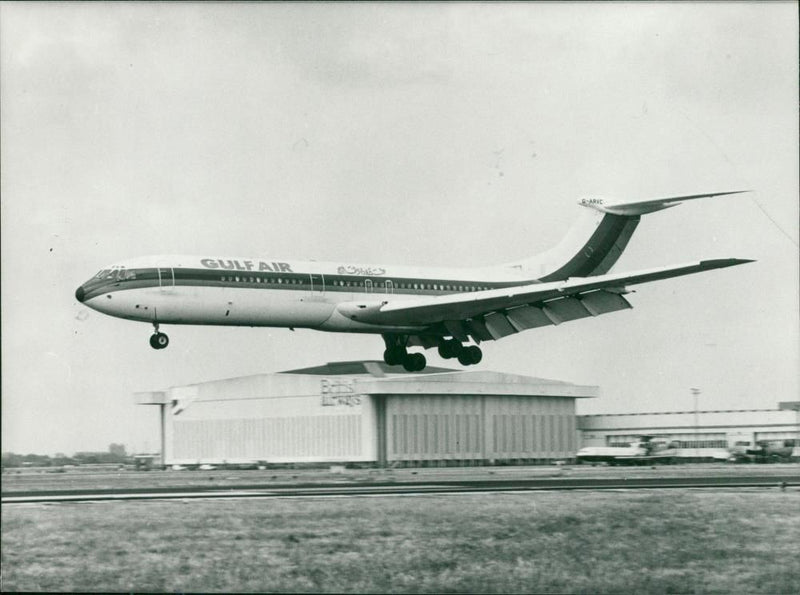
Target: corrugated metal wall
455,427
283,439
277,419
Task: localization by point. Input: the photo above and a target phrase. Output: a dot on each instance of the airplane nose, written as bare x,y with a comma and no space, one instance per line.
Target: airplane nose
79,294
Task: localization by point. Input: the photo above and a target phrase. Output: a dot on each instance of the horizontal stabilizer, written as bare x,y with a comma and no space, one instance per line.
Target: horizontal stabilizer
642,207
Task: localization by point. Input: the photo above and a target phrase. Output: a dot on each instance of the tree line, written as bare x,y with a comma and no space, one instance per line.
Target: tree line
116,454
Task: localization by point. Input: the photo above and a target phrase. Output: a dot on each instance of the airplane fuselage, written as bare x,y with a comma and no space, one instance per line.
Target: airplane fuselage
259,292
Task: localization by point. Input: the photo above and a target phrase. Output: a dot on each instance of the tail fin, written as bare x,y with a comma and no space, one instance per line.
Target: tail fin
596,241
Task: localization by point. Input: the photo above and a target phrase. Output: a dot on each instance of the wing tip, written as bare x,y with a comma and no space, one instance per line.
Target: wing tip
718,263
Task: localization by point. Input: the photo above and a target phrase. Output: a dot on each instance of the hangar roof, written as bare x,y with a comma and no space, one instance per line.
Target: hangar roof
372,377
373,368
384,379
476,382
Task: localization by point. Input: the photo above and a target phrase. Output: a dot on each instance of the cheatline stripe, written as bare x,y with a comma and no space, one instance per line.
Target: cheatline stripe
595,250
149,278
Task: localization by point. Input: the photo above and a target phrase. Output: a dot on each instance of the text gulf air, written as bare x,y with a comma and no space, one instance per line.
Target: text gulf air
246,265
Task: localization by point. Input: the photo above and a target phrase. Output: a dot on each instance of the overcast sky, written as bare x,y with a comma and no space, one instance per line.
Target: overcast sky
443,134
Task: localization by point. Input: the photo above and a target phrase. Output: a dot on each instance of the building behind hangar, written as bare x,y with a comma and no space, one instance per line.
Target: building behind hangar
701,435
367,412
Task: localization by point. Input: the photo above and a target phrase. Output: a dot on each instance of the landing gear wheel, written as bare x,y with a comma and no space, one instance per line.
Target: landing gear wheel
159,341
394,356
470,355
448,349
475,354
414,362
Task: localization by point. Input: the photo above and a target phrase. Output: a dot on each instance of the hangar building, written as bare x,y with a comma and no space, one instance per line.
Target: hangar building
698,434
367,412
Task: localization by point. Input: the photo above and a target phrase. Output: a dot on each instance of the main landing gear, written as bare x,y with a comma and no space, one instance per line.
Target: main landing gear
467,355
158,340
396,353
412,362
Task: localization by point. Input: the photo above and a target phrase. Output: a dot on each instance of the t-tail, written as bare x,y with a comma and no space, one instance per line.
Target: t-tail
596,241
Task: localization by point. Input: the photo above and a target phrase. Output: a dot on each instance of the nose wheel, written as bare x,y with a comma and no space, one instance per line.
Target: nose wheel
158,340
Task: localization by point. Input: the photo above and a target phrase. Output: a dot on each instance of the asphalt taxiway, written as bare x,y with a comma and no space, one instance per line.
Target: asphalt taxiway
393,488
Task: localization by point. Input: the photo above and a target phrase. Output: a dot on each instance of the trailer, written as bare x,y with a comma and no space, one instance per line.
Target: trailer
645,451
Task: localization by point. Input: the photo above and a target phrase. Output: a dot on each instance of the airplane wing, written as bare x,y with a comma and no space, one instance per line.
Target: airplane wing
495,313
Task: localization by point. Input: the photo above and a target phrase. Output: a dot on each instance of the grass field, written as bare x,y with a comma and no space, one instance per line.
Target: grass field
662,541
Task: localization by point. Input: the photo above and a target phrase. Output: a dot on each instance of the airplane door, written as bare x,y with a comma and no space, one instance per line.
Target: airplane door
368,286
166,278
317,283
389,286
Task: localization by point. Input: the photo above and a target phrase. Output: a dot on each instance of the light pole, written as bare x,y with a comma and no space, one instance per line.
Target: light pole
695,393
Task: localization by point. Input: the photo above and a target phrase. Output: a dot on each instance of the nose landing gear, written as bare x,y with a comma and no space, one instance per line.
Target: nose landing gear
158,340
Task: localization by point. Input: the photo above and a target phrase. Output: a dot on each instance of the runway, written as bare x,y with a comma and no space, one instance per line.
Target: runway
384,488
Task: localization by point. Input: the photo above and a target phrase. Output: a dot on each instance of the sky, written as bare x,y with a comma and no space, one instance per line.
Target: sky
446,134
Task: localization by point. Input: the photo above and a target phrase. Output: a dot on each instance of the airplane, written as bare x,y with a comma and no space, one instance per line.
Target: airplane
453,309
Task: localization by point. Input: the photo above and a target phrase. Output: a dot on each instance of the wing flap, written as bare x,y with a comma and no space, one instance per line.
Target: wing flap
566,309
602,302
477,328
498,325
528,317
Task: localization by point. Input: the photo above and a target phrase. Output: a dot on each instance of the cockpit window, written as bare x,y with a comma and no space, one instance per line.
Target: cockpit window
117,274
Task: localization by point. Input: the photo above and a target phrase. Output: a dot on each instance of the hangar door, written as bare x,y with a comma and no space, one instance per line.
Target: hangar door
476,428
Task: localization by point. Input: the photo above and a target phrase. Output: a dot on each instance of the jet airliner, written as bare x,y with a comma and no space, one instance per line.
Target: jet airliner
453,309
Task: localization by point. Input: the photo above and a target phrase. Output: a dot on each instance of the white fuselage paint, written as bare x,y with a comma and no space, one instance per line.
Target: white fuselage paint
313,305
236,307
